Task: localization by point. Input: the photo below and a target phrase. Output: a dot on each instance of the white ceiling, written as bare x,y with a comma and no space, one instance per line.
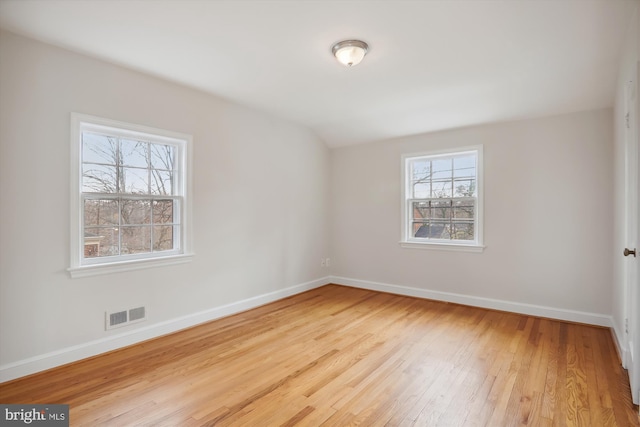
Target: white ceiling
432,64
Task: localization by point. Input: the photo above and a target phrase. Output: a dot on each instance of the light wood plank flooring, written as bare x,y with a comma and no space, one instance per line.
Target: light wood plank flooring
338,356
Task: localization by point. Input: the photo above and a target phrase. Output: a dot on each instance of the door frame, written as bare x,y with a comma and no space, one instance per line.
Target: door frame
631,270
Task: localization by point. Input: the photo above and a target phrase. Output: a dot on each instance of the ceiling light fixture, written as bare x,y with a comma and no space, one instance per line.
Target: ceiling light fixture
350,52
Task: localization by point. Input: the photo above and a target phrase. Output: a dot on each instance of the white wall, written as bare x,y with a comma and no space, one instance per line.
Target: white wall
548,218
259,205
630,55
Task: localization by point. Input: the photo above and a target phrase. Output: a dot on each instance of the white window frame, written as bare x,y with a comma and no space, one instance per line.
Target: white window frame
81,266
407,240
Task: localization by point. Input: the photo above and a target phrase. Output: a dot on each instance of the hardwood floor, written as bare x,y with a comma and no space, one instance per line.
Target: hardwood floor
338,356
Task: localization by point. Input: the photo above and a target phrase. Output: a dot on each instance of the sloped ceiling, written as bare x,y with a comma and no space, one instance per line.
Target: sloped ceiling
432,65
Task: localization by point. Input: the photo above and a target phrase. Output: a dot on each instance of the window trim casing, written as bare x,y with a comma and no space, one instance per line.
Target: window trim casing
79,269
461,246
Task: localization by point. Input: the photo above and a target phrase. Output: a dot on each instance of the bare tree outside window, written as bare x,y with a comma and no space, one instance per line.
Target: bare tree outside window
128,189
130,206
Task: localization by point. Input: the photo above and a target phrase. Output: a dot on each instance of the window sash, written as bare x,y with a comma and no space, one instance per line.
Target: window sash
436,179
115,168
453,205
152,225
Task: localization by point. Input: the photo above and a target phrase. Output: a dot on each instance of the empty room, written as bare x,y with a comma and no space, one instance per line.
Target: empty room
319,213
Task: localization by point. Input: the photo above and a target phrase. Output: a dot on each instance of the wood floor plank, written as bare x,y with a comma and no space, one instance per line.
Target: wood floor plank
338,356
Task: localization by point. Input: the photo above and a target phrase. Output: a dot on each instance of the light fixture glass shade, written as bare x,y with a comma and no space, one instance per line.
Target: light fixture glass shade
350,52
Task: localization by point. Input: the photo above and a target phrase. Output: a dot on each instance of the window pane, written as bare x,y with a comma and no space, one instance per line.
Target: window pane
465,166
134,181
420,229
162,182
441,209
442,168
421,210
163,211
100,242
441,213
420,170
462,231
98,179
464,209
163,238
136,212
135,240
442,189
163,156
432,230
422,190
134,153
99,148
464,188
100,212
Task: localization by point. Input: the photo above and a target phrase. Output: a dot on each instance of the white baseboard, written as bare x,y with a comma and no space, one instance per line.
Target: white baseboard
63,356
622,347
495,304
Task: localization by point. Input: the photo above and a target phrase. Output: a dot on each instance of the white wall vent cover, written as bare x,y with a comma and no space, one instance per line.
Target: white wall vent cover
138,313
116,319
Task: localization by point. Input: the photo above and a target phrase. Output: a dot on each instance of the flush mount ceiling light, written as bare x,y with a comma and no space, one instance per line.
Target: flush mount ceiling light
350,52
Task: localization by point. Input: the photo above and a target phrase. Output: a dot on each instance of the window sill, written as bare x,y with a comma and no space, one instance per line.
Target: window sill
443,246
117,267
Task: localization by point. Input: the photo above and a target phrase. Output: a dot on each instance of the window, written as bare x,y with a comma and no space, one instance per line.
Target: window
129,196
442,203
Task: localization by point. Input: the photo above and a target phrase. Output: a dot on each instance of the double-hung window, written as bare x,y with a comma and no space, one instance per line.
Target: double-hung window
442,203
129,196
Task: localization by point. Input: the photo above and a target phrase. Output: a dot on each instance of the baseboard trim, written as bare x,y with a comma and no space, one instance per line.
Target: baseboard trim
75,353
621,345
494,304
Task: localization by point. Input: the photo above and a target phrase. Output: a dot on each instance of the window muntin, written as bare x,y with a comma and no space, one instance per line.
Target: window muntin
131,190
441,198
